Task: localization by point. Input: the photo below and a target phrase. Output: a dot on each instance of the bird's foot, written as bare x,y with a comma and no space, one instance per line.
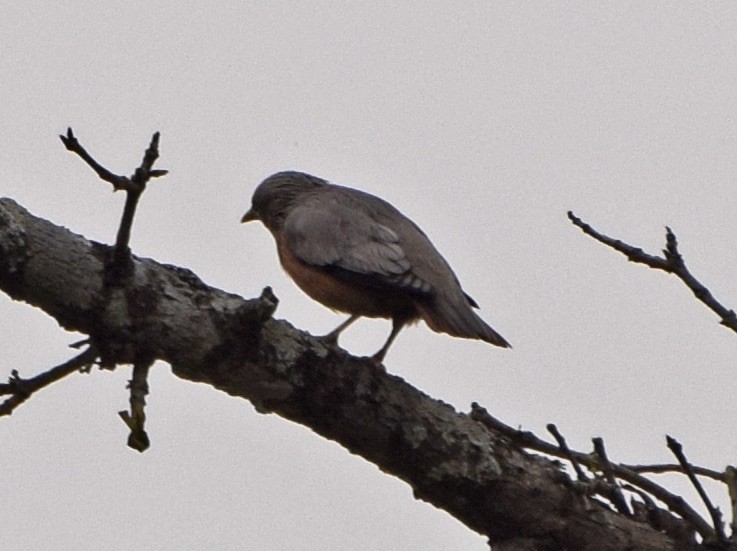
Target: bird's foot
332,337
378,360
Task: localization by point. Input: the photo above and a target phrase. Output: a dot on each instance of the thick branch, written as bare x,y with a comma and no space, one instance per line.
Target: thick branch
450,459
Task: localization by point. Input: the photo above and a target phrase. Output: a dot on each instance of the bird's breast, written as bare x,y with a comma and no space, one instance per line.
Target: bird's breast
343,295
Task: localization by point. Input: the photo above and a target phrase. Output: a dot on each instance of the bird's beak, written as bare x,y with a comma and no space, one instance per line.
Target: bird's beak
250,216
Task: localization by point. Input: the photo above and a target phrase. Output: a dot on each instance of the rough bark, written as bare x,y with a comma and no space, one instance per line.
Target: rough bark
519,500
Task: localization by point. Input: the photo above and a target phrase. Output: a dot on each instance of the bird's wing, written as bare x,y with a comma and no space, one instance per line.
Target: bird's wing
351,245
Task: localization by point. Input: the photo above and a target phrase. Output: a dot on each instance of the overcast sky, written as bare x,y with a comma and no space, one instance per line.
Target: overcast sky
484,122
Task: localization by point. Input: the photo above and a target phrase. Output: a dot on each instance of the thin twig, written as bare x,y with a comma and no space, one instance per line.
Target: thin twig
134,186
730,476
672,262
634,254
72,144
675,468
528,440
563,445
136,419
716,516
606,468
22,389
137,185
121,252
121,263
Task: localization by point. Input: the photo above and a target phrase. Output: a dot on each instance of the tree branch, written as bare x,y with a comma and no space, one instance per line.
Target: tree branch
673,468
134,187
21,390
136,419
672,262
567,453
716,517
617,497
452,460
140,176
528,440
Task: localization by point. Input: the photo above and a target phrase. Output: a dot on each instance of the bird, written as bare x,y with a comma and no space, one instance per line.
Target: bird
357,254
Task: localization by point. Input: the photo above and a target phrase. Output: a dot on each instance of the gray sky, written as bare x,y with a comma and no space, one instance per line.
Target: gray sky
484,122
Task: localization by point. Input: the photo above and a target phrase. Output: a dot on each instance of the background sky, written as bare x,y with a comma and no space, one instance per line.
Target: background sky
484,122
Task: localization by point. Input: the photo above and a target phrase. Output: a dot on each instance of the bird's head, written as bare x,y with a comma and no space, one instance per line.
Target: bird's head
275,196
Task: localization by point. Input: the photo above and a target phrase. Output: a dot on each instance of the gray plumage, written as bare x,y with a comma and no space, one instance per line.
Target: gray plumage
370,248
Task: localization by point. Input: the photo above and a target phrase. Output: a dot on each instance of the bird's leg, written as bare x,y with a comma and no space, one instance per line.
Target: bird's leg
397,324
332,337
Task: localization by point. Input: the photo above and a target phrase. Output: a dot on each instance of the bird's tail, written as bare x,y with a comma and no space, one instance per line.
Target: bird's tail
454,315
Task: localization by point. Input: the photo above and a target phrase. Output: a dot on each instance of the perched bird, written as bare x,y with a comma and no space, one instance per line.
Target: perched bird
356,253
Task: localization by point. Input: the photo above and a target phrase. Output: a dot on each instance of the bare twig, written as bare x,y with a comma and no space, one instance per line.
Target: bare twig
22,389
730,476
136,419
674,468
138,184
563,445
672,262
716,516
72,144
134,186
634,254
121,261
606,468
528,440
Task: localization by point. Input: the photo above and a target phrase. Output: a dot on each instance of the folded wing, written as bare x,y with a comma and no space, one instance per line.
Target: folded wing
351,245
